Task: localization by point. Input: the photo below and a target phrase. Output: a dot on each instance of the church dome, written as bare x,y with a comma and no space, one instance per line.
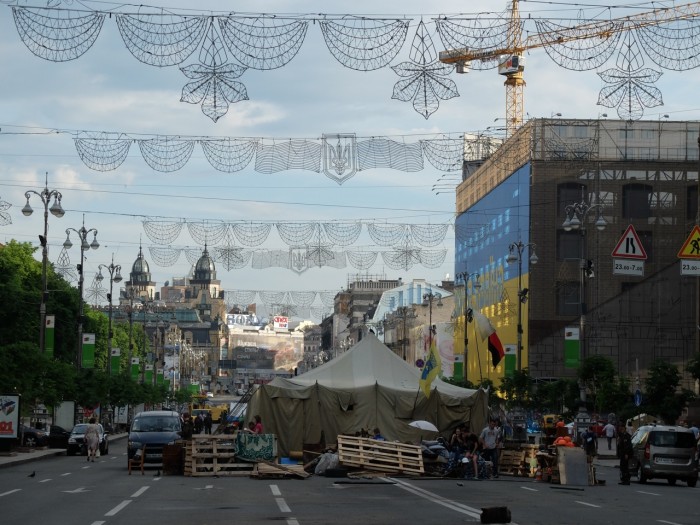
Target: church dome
205,270
140,271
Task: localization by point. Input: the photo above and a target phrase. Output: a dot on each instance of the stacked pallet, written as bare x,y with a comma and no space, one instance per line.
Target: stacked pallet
512,462
382,456
214,455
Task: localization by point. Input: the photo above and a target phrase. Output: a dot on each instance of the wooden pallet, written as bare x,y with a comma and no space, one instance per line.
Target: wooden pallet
269,470
381,456
213,455
512,462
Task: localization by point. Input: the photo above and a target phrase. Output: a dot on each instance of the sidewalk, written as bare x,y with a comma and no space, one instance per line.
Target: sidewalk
19,458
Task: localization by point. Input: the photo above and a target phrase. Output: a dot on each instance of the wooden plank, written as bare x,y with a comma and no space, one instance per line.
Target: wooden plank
385,456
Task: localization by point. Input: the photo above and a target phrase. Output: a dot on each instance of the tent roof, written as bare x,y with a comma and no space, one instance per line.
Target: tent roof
367,363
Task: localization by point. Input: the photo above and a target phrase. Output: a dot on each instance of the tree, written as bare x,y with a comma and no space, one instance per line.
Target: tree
597,373
556,396
693,367
517,389
662,396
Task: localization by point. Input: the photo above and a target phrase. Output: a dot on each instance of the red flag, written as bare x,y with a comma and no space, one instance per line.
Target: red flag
496,349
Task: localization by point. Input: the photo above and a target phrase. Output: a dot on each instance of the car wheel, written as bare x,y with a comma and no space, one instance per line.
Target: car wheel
692,482
671,481
30,441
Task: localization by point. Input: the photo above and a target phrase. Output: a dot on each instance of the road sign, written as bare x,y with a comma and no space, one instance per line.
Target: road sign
628,267
690,267
691,246
637,397
629,246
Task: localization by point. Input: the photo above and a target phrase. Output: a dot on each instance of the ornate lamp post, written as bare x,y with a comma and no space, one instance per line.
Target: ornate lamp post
84,246
465,277
56,210
515,254
428,299
114,277
576,215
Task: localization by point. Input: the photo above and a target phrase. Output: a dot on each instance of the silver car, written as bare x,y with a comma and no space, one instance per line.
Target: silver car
664,452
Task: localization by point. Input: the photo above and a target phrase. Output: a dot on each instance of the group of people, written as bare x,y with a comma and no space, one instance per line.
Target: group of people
473,452
203,423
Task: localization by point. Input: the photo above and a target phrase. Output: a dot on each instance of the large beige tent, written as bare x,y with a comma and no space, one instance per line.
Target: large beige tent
366,387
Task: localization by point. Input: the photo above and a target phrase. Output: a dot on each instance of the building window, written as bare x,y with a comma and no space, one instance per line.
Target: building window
569,193
568,245
636,199
568,299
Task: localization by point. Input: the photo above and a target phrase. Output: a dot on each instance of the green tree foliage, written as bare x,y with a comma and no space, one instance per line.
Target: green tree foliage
559,397
517,389
662,396
693,367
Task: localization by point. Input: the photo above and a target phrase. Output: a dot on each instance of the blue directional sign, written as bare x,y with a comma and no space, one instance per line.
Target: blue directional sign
637,397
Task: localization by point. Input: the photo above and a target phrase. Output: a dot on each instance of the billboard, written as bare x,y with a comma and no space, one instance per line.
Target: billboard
483,235
281,322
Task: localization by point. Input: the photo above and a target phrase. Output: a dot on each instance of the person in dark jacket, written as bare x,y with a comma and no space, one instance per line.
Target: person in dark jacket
624,452
207,423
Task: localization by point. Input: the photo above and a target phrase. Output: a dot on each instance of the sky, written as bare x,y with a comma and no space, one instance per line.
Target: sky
44,105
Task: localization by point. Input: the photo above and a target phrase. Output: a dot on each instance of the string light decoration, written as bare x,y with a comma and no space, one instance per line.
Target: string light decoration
229,44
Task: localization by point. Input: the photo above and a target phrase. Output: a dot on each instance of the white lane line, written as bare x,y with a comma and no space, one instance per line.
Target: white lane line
45,480
140,491
86,466
530,489
66,474
98,523
9,492
292,521
275,490
587,504
282,505
649,493
669,522
436,498
118,507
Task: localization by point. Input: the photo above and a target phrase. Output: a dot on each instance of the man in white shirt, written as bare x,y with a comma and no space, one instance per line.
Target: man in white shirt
490,438
609,431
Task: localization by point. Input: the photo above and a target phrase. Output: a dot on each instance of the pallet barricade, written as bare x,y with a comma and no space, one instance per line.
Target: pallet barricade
214,455
382,456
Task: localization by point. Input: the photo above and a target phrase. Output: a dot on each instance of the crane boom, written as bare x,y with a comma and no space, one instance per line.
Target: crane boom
515,47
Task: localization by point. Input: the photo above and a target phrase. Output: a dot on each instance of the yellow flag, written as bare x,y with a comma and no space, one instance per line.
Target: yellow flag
431,369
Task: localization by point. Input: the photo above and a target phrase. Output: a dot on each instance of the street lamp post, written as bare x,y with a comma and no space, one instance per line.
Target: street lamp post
115,276
515,254
465,277
576,216
57,211
84,246
428,299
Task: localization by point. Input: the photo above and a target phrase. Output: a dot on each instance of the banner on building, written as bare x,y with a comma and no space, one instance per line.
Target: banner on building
9,416
88,351
572,347
135,368
148,374
115,357
159,377
49,335
280,322
511,359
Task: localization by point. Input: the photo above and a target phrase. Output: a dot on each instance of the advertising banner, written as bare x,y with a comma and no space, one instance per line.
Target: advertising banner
135,368
115,357
159,377
148,375
281,322
49,334
9,416
511,359
88,354
572,347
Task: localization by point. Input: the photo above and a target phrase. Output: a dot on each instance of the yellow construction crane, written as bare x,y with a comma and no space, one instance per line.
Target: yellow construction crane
511,60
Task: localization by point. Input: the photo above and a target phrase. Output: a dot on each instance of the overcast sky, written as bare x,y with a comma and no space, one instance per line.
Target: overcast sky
107,89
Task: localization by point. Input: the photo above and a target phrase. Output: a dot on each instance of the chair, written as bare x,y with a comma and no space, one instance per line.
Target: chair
138,460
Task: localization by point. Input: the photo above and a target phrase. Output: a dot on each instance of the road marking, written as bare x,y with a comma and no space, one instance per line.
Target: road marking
292,521
275,490
587,504
436,498
86,466
282,505
45,480
140,491
66,474
669,522
76,491
98,523
118,507
529,488
9,492
650,493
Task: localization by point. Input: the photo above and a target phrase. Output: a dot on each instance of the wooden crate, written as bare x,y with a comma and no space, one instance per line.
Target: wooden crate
382,456
214,455
512,462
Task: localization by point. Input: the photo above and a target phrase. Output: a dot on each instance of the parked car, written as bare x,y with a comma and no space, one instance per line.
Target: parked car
76,441
58,437
153,430
665,452
32,437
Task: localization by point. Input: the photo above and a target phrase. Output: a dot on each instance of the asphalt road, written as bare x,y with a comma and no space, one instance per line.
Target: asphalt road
69,490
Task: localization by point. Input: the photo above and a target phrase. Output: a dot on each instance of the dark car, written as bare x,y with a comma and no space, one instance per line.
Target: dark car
153,431
76,441
58,437
664,452
32,437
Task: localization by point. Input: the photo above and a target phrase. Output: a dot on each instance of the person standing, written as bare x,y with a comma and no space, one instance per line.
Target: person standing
92,439
490,439
258,429
590,442
207,423
624,452
609,431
